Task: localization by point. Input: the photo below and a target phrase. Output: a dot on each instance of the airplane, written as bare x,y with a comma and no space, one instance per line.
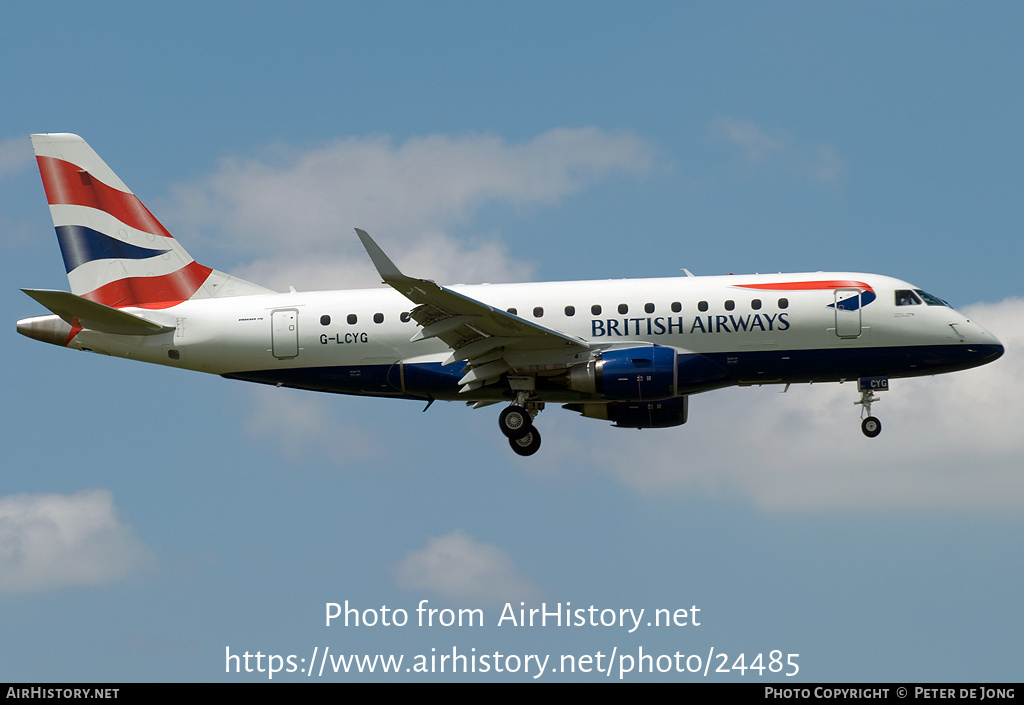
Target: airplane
628,351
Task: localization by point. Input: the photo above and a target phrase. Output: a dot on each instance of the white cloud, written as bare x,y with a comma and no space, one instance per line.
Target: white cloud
950,441
818,162
294,211
434,256
754,142
15,155
53,541
459,568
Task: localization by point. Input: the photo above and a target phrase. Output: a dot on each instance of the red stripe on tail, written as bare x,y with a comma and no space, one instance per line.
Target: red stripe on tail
67,184
152,292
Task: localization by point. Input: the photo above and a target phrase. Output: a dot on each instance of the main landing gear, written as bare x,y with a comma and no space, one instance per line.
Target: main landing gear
528,444
871,426
516,422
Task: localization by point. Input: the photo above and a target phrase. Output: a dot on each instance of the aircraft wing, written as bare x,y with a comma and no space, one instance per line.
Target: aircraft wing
492,341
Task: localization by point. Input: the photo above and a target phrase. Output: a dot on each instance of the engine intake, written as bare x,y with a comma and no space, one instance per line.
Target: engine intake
632,374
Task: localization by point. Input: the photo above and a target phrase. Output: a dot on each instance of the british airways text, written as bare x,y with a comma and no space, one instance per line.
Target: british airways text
669,325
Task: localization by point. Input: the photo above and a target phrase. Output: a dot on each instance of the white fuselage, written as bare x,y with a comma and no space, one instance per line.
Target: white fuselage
753,326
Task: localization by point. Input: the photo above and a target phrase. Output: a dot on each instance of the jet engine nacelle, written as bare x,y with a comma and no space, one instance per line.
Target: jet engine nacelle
643,414
631,374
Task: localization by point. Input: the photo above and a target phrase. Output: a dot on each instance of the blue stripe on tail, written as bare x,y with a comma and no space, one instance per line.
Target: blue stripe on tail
79,244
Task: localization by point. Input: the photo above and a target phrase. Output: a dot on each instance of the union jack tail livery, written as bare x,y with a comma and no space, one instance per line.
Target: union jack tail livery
115,252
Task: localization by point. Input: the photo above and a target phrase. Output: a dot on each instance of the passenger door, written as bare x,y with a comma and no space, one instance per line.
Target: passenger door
847,305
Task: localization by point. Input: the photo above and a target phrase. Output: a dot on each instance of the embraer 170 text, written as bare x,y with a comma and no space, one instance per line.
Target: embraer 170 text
630,351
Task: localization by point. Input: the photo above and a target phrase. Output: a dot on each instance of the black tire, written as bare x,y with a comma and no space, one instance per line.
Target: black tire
515,422
871,427
526,445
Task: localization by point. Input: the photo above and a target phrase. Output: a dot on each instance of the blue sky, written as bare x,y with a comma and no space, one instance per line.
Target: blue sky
151,518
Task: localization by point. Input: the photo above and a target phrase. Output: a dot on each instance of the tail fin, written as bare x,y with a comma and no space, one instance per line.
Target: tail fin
115,252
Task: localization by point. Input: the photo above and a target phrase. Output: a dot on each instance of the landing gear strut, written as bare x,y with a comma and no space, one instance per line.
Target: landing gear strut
871,426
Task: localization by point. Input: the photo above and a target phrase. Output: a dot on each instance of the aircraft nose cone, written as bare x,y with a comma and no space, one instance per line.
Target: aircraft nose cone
983,345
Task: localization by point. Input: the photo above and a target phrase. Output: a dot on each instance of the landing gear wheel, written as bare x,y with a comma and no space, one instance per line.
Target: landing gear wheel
526,445
515,422
871,427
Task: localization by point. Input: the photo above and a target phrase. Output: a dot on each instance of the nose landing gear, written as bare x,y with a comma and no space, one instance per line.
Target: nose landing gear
871,426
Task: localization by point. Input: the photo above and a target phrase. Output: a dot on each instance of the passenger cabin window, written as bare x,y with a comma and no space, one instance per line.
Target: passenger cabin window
676,307
570,310
648,308
325,320
783,303
512,310
623,309
538,312
404,317
906,297
378,318
352,319
595,310
756,304
702,305
730,305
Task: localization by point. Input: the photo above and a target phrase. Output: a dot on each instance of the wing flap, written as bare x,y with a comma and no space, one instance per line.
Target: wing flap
485,372
477,348
441,326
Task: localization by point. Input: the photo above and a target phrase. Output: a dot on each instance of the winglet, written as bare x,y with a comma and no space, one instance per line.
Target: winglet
385,267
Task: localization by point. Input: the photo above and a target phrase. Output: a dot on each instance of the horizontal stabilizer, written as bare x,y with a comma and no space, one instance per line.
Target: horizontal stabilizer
77,311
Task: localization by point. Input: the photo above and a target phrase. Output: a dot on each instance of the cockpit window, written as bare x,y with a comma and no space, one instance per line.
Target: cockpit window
931,300
906,297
